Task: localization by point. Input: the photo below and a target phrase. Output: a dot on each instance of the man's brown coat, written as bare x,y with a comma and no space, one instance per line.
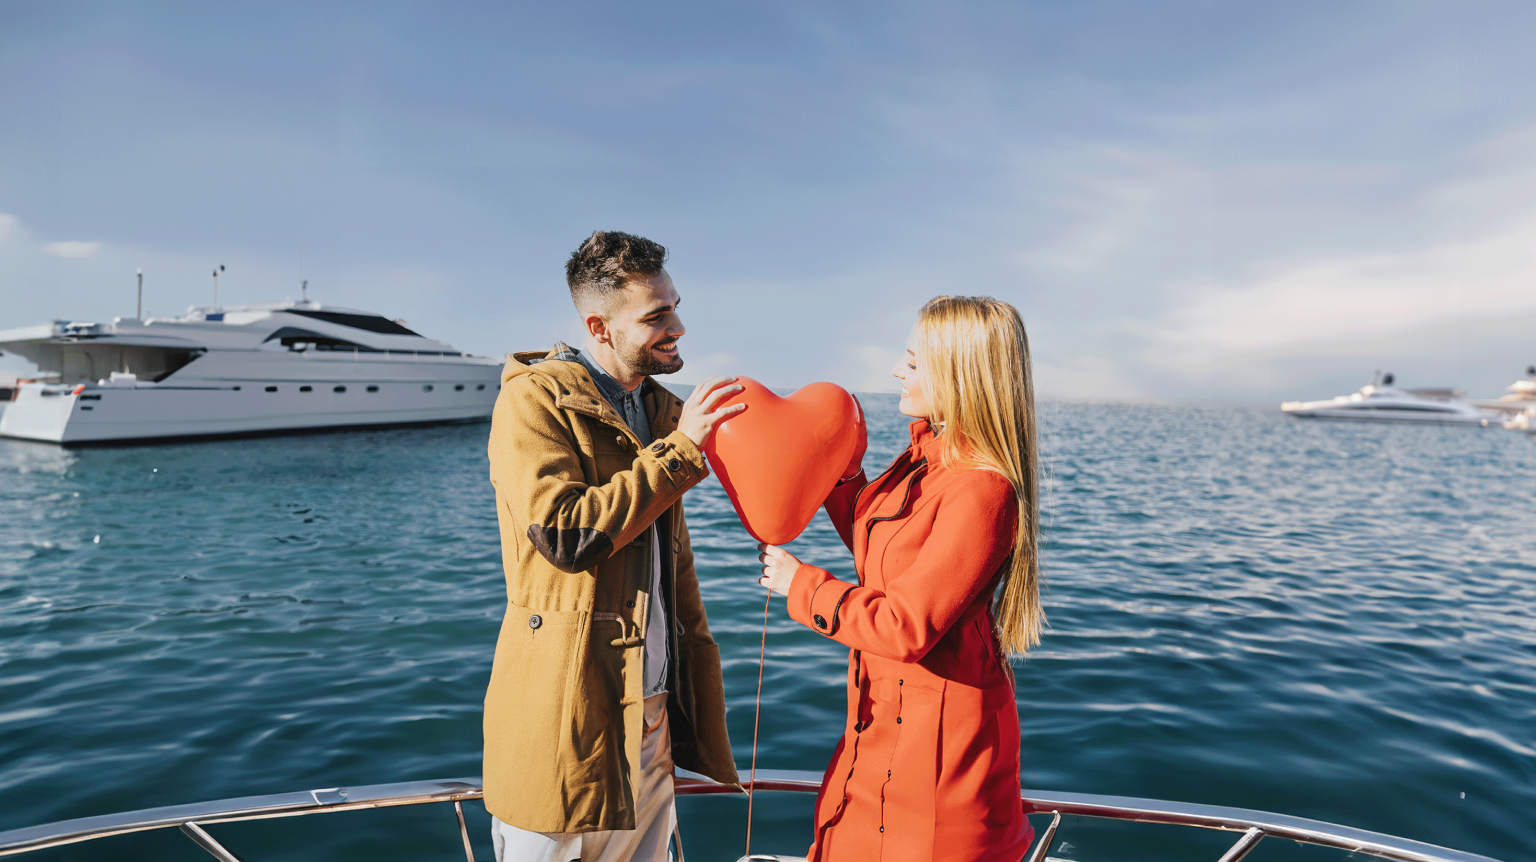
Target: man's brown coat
575,497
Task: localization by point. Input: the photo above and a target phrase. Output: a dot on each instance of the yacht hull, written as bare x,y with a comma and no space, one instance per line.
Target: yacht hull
1392,416
117,414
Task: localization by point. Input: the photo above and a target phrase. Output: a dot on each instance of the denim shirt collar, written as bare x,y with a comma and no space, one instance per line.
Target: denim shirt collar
630,405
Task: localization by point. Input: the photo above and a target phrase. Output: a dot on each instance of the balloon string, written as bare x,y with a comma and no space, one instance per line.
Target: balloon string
757,716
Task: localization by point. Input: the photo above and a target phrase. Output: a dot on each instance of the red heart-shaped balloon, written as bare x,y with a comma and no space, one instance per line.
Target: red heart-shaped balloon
779,458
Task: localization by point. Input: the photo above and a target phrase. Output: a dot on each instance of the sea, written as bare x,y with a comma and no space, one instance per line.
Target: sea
1326,620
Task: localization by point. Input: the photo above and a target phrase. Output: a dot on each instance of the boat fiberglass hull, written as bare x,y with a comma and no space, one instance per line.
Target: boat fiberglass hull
1389,415
108,414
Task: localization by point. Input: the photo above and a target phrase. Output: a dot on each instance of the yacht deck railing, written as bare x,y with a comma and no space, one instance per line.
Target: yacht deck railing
192,818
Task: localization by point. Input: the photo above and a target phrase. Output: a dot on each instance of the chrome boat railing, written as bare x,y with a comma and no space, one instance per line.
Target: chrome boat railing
190,819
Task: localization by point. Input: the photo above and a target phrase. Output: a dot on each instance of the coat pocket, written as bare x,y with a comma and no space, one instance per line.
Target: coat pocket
528,702
909,806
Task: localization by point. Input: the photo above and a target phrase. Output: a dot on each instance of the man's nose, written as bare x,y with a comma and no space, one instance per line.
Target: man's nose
676,329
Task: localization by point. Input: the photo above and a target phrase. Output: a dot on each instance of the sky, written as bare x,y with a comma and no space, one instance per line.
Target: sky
1200,201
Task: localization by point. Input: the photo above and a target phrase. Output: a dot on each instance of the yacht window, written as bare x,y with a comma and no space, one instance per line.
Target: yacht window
299,340
479,386
426,387
340,389
458,388
306,388
373,389
237,389
368,322
271,388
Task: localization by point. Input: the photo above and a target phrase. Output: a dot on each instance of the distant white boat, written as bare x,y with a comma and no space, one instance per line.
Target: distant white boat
245,369
1379,401
1518,404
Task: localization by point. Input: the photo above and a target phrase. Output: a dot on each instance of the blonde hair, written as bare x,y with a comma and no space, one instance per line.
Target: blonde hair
974,353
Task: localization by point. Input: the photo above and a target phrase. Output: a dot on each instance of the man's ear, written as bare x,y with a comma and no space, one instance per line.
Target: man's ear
597,327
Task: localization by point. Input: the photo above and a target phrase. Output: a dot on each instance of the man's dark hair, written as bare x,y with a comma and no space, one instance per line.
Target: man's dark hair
607,262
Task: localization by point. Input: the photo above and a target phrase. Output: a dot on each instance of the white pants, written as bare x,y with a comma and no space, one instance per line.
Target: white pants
655,813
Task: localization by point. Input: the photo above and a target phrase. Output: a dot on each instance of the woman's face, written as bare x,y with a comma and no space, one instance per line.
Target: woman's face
914,394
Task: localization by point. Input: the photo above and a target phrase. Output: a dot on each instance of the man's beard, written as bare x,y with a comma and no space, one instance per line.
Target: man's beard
641,361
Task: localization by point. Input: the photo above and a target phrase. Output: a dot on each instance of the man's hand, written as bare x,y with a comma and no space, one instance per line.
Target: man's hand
699,414
779,567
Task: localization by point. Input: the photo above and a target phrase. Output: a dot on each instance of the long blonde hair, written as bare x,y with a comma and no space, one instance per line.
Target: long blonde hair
974,354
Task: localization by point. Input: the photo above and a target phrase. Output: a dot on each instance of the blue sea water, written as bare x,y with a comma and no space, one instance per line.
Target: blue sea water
1325,620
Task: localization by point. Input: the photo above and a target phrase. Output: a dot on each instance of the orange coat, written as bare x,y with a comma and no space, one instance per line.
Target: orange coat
928,766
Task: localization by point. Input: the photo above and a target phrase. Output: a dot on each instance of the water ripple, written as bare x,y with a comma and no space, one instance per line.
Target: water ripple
1325,620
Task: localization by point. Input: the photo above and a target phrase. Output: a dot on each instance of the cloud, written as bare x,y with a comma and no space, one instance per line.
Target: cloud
7,222
72,248
1360,296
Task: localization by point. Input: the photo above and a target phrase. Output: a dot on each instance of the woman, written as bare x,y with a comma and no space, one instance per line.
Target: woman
928,766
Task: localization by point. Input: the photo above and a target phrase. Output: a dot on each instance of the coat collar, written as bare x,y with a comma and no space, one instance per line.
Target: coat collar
577,391
925,442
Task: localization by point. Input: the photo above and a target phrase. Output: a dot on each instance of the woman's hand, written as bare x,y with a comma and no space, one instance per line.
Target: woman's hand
779,567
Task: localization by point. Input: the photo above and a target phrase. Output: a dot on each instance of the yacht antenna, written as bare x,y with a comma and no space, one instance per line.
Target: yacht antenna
138,313
216,285
304,290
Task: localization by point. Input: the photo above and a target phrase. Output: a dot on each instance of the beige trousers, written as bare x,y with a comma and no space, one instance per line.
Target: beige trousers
655,814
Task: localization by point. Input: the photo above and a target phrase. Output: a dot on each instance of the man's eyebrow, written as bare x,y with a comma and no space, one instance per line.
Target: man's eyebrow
661,308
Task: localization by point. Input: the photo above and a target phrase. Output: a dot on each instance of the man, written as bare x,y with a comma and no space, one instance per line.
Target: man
605,672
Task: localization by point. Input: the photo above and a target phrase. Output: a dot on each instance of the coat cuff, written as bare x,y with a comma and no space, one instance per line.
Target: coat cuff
816,599
684,463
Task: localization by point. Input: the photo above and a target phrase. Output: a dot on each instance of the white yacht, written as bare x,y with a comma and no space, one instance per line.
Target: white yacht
237,370
1379,401
1518,404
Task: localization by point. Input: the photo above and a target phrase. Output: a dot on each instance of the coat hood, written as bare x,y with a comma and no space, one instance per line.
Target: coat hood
523,362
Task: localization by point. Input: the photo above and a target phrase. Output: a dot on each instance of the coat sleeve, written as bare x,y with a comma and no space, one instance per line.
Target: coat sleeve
972,536
839,506
536,466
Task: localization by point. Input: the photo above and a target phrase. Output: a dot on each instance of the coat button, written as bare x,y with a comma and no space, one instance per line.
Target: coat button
674,465
629,604
619,439
535,621
898,719
882,830
821,622
901,682
658,446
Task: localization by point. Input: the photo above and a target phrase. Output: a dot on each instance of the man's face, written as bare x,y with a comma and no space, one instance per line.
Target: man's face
644,326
